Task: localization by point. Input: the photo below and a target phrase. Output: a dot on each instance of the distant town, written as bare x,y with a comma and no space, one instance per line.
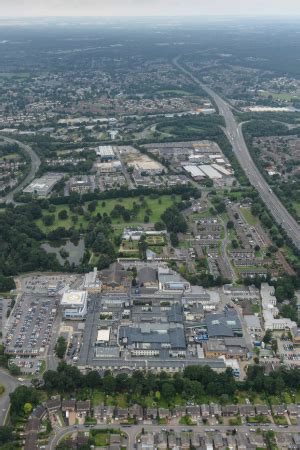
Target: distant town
149,235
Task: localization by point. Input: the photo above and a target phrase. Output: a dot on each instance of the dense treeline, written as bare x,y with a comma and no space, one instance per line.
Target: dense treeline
75,198
20,243
194,383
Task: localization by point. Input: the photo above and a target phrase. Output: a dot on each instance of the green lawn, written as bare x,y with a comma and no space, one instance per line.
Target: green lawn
61,223
297,397
174,91
98,397
286,96
9,157
101,439
255,308
235,421
186,420
280,420
250,219
157,207
296,205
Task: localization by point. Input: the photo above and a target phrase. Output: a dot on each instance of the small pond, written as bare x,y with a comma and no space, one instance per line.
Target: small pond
74,250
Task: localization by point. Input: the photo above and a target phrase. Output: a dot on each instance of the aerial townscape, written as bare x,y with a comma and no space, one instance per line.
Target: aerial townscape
149,229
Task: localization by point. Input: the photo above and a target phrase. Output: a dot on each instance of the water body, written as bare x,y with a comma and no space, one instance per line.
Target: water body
74,249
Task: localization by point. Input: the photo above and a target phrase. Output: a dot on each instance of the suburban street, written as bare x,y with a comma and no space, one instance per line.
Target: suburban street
235,135
134,430
34,167
10,383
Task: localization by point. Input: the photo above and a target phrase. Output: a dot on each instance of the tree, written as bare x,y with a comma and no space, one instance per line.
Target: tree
267,337
92,206
48,219
60,347
14,370
27,408
6,434
6,283
159,226
174,239
63,214
174,220
230,225
20,396
168,392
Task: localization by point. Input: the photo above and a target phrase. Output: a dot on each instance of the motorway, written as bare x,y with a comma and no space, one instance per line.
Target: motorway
35,163
235,135
133,430
10,383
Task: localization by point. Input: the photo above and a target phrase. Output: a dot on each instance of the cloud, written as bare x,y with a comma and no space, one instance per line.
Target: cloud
147,7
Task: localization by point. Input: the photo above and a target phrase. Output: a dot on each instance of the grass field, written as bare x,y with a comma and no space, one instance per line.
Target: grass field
174,91
280,420
250,219
285,96
296,205
101,439
157,207
10,157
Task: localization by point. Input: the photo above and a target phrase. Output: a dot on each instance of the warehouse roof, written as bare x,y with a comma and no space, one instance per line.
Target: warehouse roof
224,325
164,334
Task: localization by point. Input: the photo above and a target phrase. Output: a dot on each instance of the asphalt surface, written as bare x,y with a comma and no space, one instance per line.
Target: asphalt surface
235,135
10,383
134,430
35,163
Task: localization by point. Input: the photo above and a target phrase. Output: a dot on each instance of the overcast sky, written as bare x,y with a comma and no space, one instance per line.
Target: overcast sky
147,7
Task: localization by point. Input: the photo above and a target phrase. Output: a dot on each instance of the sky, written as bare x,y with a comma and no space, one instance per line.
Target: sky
29,8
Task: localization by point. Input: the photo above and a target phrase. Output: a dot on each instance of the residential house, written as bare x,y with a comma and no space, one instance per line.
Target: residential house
283,440
53,405
39,412
195,440
136,412
257,440
115,442
161,440
82,440
185,441
147,441
242,442
83,408
206,443
164,413
179,411
31,430
293,410
205,411
247,410
215,410
231,442
151,413
193,412
172,440
68,405
218,441
230,410
121,414
279,410
262,410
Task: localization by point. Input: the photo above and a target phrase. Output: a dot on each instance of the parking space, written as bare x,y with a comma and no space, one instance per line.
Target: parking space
289,353
28,365
50,284
30,326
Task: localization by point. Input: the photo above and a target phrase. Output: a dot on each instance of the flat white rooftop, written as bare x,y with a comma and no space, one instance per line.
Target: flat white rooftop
74,298
103,335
